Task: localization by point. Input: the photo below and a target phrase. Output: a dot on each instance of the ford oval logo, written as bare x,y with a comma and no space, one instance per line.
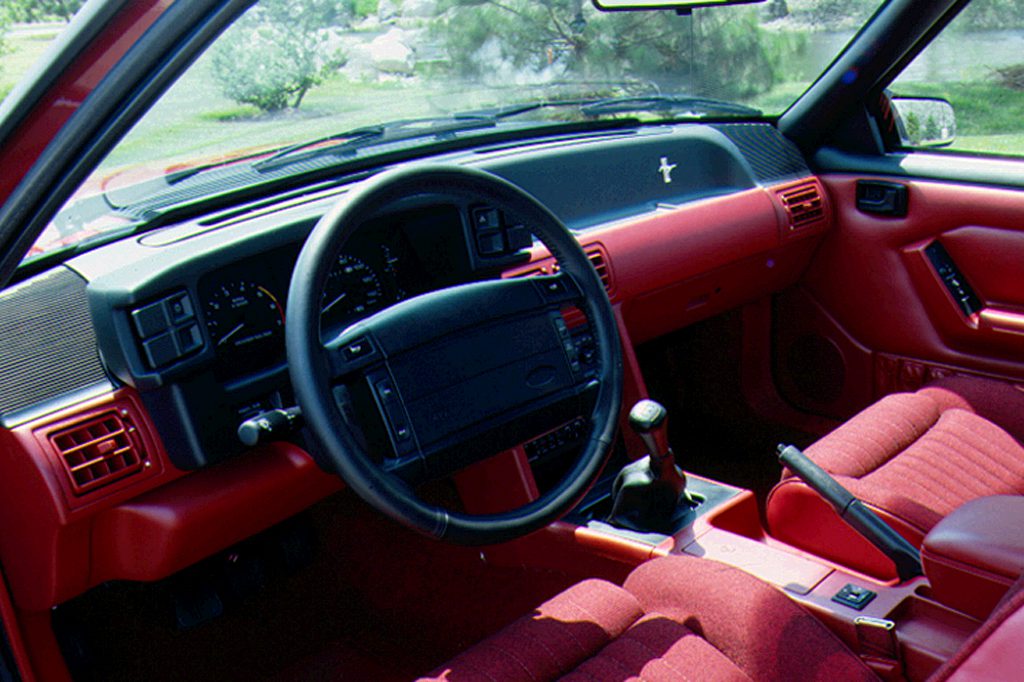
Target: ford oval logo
540,376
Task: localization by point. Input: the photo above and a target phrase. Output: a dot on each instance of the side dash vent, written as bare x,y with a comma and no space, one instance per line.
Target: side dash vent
99,450
804,205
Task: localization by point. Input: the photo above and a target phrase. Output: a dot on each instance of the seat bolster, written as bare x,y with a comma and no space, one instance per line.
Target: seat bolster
768,636
550,642
877,434
997,401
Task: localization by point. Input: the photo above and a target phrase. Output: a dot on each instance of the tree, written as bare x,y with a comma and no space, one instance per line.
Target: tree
722,53
31,11
274,54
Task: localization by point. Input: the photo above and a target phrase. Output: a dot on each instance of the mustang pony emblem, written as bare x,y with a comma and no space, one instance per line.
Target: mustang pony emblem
666,169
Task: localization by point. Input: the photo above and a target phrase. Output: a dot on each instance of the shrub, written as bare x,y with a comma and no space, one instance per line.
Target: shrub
1011,76
42,10
274,54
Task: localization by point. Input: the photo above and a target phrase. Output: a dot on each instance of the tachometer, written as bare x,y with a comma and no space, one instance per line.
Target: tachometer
246,322
353,291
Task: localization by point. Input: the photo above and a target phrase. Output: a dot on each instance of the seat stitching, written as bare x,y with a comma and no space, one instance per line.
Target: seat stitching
469,663
661,657
507,653
554,657
589,615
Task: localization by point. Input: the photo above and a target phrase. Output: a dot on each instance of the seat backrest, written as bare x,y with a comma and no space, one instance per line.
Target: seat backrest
995,651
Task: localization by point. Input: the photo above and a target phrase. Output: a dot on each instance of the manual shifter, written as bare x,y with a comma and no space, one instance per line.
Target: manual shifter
649,493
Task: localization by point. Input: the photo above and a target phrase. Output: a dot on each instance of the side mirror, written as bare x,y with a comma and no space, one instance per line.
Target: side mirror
924,121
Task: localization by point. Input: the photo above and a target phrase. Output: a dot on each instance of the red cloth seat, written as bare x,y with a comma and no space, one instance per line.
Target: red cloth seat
914,457
684,618
675,618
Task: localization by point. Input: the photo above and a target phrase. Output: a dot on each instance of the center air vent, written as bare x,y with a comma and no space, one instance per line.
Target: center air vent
597,259
803,204
99,450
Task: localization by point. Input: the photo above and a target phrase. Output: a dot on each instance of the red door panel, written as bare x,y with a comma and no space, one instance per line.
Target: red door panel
872,293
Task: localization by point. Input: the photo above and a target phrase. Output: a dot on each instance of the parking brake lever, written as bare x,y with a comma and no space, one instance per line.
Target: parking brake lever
854,512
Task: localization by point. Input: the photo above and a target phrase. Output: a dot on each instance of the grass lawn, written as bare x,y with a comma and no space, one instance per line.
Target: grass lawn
23,51
988,115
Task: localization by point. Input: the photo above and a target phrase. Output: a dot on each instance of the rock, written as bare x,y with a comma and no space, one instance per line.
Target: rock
390,53
419,9
387,11
359,63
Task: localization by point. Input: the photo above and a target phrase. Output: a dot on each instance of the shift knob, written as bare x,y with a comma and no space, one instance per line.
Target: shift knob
650,421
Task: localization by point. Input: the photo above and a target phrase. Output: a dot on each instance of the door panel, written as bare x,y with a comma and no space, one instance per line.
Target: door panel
873,284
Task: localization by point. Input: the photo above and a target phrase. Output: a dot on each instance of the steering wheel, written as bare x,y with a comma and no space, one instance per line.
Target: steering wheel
433,383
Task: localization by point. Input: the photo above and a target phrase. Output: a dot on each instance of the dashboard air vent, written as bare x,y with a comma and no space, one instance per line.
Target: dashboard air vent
803,204
597,259
99,450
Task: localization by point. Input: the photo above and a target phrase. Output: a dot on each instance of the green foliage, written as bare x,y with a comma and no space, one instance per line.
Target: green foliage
30,11
981,108
832,14
992,14
730,55
273,55
4,47
1011,76
364,8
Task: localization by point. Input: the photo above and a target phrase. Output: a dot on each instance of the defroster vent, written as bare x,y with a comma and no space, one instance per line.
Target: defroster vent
99,450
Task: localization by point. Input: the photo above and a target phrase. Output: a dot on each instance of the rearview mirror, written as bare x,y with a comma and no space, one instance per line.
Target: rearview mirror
679,5
924,121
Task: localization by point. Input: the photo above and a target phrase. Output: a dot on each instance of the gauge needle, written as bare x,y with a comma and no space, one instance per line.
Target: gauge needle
334,302
241,325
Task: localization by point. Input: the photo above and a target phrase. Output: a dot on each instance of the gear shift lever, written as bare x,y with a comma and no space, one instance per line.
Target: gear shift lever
649,419
649,492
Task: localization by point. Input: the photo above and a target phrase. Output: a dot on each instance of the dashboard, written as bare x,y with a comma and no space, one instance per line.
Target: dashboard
176,336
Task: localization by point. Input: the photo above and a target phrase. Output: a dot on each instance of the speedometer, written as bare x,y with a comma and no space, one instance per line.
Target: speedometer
246,323
353,290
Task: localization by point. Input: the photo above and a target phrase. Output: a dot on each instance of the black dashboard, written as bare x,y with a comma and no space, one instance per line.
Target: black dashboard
203,334
192,315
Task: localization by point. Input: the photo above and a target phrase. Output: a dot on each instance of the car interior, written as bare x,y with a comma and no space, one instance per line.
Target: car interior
735,398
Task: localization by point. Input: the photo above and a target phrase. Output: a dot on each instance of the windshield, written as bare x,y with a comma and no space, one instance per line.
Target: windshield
298,82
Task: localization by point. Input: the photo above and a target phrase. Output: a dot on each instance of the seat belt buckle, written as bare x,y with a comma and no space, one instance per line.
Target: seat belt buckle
878,645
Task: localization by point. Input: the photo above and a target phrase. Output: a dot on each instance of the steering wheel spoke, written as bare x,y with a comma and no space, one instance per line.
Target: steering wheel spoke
450,377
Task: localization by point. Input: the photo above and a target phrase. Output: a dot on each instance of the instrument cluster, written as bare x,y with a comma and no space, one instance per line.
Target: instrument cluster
244,306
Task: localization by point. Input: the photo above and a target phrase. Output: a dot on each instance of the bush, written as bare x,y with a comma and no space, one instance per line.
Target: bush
30,11
1011,76
274,54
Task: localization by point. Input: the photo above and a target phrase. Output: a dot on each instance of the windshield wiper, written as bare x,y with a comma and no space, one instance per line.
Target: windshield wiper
676,104
341,143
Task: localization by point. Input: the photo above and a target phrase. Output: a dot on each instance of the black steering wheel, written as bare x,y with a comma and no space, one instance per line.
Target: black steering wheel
433,383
